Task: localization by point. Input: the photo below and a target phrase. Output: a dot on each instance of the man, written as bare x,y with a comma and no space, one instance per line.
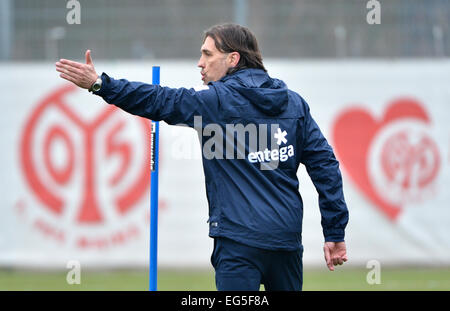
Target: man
255,208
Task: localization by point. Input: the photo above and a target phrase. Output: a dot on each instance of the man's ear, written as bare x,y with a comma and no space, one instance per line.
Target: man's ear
233,59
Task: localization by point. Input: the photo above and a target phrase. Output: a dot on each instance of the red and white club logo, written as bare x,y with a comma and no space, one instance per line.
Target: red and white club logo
88,172
394,160
403,162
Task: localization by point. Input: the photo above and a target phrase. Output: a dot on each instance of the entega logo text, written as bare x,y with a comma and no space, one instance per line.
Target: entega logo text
282,154
267,155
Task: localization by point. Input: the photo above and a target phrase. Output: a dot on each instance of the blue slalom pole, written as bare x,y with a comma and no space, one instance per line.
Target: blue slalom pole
153,274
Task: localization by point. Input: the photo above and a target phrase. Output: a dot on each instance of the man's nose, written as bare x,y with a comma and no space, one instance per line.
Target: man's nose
200,63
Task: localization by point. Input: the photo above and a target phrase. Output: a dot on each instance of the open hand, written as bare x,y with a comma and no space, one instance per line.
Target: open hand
83,75
335,254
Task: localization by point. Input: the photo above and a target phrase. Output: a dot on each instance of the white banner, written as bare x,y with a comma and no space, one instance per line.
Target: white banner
75,170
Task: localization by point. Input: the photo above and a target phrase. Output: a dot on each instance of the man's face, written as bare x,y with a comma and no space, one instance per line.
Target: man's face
214,64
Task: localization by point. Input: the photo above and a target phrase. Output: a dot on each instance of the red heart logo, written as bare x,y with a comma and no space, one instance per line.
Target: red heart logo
353,133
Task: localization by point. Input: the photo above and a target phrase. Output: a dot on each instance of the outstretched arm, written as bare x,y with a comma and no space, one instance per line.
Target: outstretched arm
173,105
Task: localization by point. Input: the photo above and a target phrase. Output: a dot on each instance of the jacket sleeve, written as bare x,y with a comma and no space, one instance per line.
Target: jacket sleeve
323,168
172,105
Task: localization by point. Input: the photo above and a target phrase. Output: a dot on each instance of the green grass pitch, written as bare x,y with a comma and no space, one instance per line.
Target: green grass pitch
345,278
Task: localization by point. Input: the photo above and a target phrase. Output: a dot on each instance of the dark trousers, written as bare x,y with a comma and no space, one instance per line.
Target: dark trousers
244,268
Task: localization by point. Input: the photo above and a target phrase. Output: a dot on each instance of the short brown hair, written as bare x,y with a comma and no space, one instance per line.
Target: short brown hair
236,38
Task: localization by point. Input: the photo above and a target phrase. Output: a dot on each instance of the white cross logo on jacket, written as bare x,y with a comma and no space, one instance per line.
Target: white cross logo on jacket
280,136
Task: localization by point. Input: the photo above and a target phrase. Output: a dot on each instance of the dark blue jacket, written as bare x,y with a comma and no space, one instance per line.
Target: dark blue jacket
252,189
